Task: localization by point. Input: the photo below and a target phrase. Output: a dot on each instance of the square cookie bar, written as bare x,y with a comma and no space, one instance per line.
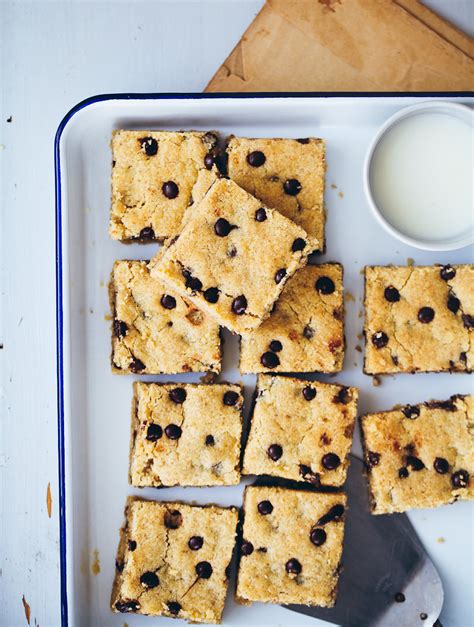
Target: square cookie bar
233,256
301,430
185,434
286,174
305,331
155,330
419,319
173,560
153,176
420,455
291,547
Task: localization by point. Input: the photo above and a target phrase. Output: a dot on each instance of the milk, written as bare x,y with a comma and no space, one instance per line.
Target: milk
422,175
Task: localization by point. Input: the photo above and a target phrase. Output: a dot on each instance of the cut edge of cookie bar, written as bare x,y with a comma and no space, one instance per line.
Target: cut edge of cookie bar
453,366
318,238
372,458
135,424
147,235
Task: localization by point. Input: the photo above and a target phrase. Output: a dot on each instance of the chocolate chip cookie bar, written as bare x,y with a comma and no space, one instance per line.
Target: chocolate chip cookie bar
185,434
419,319
173,560
153,176
291,547
301,430
305,331
155,330
286,174
233,257
420,455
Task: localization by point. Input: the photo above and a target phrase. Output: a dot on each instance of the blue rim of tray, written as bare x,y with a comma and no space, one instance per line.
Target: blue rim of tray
59,252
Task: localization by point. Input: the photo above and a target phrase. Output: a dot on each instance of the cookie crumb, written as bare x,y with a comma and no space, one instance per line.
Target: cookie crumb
49,500
333,186
341,194
410,261
376,381
209,377
440,540
95,566
350,297
107,317
26,606
358,348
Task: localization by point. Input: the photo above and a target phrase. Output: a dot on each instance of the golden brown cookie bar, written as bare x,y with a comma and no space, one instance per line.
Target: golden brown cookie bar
173,560
291,547
185,434
419,319
153,176
155,330
301,430
232,257
286,174
305,331
420,455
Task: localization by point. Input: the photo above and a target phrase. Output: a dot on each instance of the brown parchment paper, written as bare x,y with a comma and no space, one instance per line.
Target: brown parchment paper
348,45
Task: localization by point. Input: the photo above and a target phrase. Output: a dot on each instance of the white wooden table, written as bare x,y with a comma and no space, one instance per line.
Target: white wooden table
55,54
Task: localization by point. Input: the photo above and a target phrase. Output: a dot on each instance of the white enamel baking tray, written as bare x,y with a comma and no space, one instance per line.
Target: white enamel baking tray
94,404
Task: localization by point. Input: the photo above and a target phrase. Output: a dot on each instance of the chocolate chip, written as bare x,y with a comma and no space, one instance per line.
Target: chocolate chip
274,452
414,462
265,508
325,285
174,608
453,303
403,473
256,158
308,332
173,519
132,545
195,543
147,234
379,339
191,281
246,548
208,161
120,328
304,140
460,479
211,295
331,461
260,215
210,139
154,432
399,597
423,616
149,146
344,396
127,606
170,189
449,405
269,360
293,566
298,244
309,475
173,432
280,275
168,302
227,571
119,566
309,393
426,315
222,227
262,549
149,579
411,411
210,440
441,465
178,395
239,305
292,187
276,346
334,515
203,570
468,321
318,536
373,459
391,294
232,252
136,365
231,398
447,272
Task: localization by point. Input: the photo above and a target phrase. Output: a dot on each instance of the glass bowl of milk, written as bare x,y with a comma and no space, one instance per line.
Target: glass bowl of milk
419,175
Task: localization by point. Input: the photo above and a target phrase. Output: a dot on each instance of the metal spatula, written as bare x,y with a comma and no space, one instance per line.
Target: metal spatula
388,580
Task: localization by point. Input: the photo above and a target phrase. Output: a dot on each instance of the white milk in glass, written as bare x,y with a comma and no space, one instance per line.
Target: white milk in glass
422,176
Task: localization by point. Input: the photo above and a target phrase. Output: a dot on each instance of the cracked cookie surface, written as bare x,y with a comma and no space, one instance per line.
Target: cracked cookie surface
232,257
286,174
419,319
420,455
172,560
305,331
155,330
291,546
301,430
185,434
153,176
